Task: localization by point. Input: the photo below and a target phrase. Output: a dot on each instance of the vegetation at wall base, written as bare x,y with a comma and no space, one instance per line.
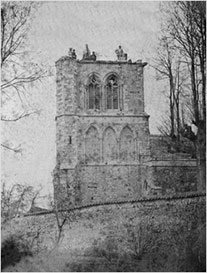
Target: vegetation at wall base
13,249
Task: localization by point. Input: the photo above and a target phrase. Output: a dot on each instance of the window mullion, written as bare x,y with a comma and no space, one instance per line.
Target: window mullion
118,99
112,96
94,102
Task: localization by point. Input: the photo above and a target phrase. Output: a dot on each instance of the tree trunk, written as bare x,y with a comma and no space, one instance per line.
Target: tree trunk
172,117
203,90
194,92
201,157
178,119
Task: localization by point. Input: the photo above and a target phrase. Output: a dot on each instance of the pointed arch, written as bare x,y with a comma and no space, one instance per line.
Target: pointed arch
112,92
93,92
92,145
110,150
127,145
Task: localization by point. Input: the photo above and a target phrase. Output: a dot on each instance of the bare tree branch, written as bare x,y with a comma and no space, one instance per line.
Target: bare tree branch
11,149
19,70
23,115
17,199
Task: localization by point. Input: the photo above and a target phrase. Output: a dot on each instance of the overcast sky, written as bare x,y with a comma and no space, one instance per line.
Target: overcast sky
58,26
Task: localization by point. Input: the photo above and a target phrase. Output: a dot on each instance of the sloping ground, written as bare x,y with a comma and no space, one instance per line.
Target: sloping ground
143,235
162,147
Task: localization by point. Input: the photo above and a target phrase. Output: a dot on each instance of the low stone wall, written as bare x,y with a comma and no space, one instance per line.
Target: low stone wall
96,222
171,171
174,176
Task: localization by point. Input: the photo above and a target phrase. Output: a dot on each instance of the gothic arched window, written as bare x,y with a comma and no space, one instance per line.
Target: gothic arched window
112,92
94,92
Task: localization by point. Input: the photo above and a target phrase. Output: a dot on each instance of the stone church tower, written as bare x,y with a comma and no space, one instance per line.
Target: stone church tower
103,138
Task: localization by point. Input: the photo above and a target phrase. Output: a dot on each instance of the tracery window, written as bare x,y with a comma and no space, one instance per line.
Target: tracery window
112,92
94,93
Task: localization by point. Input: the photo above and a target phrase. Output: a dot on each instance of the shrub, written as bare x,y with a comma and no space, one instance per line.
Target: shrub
13,249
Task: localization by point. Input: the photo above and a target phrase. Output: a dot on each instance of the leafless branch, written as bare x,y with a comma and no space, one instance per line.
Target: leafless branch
23,115
18,67
11,149
16,199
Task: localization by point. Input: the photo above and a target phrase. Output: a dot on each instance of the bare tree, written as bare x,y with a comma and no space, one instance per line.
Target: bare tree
186,24
62,216
163,64
189,29
170,68
16,200
18,67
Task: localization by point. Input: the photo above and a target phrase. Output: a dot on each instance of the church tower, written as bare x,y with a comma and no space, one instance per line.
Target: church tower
103,138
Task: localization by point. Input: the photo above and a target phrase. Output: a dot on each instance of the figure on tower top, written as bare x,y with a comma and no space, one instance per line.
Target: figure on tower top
93,56
87,54
74,56
71,53
121,56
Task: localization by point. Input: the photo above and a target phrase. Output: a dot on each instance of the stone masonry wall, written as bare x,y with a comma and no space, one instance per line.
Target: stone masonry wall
173,177
172,172
100,221
66,83
109,154
110,183
137,127
98,174
130,77
98,144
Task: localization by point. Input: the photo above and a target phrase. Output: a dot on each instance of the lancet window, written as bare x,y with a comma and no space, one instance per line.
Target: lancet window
112,92
94,93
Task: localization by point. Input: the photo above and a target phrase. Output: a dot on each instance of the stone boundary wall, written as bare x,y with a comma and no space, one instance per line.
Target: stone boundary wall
108,220
172,171
140,200
174,176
